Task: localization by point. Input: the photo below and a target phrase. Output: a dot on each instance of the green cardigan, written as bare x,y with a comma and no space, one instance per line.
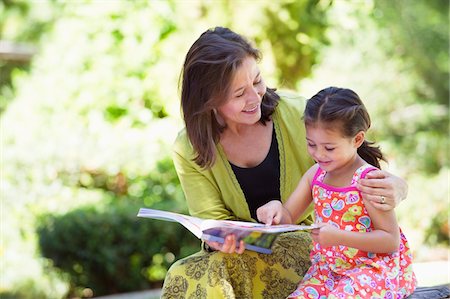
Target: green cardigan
215,193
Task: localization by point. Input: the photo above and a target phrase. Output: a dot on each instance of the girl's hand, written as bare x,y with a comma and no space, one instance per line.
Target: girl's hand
229,246
383,190
325,235
270,213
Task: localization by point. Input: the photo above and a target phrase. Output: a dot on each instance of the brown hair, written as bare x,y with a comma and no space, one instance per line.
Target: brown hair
340,105
206,77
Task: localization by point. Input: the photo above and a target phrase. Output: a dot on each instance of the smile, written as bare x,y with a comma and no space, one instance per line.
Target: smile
253,109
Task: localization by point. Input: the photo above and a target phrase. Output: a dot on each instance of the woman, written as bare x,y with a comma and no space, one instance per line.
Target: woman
243,146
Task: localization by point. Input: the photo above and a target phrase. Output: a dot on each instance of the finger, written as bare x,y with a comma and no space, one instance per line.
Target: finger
375,179
214,245
376,174
383,188
377,199
380,206
276,219
232,241
241,247
365,189
263,216
368,184
375,194
269,219
229,244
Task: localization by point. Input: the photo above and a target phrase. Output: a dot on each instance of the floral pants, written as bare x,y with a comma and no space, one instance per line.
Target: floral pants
249,275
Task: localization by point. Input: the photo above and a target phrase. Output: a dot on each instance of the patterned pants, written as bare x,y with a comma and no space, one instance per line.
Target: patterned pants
249,275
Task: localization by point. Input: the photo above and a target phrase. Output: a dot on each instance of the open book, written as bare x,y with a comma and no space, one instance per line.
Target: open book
257,237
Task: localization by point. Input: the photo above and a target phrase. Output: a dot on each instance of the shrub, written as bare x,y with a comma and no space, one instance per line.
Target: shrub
437,232
110,250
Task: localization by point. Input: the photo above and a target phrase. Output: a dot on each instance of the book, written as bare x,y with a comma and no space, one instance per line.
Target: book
257,237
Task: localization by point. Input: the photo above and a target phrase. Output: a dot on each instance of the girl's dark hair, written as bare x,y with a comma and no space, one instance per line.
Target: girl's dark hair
343,106
206,77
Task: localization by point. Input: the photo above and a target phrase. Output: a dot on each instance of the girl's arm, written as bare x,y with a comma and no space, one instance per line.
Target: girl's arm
275,213
385,237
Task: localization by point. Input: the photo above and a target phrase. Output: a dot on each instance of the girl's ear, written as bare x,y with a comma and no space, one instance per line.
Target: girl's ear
359,138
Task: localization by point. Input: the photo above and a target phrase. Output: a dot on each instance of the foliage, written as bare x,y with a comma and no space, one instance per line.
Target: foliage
424,215
301,25
438,232
95,113
91,123
356,60
62,135
26,21
417,34
109,250
20,21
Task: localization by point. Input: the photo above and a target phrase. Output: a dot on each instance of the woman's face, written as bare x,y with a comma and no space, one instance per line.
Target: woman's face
243,107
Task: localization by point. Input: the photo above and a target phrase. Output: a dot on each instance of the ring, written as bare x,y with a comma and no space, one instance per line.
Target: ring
383,199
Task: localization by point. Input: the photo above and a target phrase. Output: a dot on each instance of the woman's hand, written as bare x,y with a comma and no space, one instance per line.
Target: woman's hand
383,189
325,235
229,246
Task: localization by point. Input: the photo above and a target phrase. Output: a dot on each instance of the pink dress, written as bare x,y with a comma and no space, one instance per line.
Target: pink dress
345,272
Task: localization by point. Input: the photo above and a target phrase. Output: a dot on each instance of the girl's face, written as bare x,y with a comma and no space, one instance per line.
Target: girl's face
330,148
243,107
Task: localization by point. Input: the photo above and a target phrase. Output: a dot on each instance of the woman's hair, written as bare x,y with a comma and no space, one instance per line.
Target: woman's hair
206,77
340,106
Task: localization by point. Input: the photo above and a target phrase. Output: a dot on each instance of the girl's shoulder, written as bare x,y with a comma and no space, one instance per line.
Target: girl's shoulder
312,173
363,170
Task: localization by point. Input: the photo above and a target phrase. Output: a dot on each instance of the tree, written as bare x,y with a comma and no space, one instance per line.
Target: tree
297,33
417,33
99,108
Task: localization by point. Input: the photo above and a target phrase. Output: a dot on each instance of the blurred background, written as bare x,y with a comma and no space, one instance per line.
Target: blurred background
89,108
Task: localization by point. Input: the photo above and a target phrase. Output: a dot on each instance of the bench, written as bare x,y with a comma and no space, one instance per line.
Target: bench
442,291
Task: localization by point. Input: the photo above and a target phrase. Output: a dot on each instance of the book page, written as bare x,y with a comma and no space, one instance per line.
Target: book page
252,226
191,223
257,236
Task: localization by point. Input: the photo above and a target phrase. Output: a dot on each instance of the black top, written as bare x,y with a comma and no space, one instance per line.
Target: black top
261,183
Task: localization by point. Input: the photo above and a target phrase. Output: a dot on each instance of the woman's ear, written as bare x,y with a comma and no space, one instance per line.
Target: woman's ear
359,138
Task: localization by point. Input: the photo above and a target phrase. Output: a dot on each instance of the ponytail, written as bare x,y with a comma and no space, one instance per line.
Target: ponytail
371,154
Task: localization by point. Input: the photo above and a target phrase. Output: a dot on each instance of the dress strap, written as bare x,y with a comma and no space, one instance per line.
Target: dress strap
361,172
318,176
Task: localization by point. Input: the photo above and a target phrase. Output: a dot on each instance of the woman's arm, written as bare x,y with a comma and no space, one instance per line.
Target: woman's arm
204,200
380,183
203,197
385,237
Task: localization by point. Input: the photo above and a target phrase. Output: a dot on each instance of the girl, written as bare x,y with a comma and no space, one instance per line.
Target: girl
359,251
